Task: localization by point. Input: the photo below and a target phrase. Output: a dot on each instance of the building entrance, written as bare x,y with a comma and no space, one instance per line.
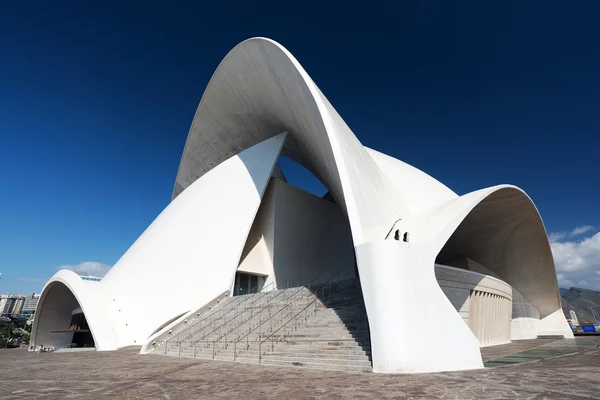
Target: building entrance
247,283
82,336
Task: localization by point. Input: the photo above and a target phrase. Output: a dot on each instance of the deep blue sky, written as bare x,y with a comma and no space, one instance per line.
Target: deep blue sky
96,102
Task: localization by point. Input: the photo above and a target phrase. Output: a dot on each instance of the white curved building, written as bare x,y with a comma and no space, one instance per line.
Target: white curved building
441,274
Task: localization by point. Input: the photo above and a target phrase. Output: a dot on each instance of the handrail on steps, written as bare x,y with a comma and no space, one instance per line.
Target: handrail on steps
239,301
194,342
261,323
268,305
291,319
246,309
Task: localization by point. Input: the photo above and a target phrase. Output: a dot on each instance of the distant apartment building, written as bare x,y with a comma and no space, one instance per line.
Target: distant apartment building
6,304
19,301
30,304
12,305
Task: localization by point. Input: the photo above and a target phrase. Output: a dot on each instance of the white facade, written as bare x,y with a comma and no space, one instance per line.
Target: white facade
390,222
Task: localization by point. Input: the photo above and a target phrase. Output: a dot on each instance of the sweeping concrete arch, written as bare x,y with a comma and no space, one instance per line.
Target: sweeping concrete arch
63,293
260,90
198,240
505,233
500,228
407,178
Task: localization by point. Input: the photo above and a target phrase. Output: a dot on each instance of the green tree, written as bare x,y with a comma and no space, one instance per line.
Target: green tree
7,333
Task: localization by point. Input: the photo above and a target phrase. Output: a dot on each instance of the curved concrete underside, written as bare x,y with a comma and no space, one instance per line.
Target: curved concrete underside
505,233
260,90
500,228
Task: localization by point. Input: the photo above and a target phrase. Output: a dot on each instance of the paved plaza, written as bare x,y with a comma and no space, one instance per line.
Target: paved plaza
125,374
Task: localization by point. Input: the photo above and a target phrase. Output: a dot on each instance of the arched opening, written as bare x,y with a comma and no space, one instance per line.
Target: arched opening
297,175
503,268
60,321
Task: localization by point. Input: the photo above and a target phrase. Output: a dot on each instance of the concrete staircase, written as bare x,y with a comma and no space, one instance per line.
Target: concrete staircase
324,328
335,337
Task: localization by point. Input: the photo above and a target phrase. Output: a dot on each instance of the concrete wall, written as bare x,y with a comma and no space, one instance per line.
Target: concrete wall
525,321
525,318
483,302
297,235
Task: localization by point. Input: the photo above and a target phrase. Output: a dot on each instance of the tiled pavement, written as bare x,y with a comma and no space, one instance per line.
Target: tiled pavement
556,348
126,374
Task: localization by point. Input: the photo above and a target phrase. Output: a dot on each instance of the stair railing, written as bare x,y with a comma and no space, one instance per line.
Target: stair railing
262,322
249,306
268,304
212,317
271,337
177,338
214,344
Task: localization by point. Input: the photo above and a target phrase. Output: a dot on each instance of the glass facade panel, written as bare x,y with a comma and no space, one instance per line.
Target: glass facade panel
247,283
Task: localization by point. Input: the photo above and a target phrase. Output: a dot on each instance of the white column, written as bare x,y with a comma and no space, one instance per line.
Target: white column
482,314
508,319
473,312
498,319
484,317
492,339
492,318
505,319
477,322
477,326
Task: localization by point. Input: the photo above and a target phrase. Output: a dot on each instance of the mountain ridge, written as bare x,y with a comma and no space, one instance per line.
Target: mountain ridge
581,300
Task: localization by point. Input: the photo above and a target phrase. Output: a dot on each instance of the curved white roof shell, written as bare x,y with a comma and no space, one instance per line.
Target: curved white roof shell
260,90
261,103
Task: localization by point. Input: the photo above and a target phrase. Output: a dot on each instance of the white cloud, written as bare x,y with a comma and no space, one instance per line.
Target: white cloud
556,236
88,267
577,259
580,230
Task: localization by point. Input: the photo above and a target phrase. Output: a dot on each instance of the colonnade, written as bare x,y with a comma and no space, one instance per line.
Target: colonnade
490,317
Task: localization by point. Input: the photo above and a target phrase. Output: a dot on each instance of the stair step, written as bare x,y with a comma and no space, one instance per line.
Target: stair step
333,333
356,349
316,354
316,360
